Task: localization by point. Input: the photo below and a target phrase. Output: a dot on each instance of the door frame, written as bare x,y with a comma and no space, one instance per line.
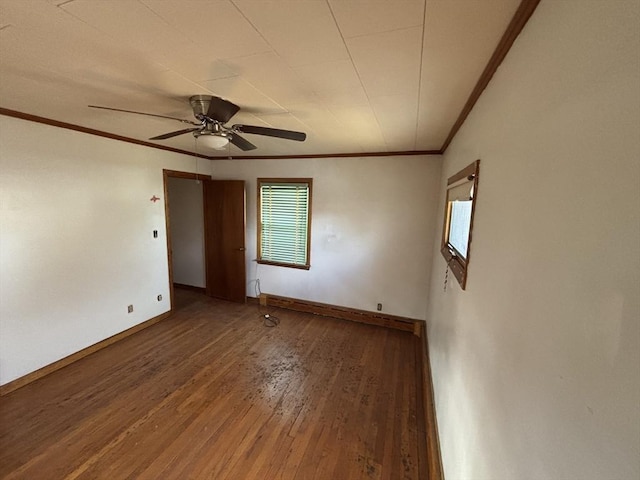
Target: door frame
167,220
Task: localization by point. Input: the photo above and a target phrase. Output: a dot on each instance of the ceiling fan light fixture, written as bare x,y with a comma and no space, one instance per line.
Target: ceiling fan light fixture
217,142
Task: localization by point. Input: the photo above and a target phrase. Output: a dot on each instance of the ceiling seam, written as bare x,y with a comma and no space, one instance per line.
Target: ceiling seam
180,33
424,30
366,94
102,32
275,52
400,29
255,28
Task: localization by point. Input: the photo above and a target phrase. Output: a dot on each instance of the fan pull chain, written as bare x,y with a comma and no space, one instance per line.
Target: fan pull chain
196,148
446,277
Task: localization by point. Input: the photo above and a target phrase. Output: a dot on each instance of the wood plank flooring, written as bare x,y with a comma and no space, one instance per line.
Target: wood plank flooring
211,393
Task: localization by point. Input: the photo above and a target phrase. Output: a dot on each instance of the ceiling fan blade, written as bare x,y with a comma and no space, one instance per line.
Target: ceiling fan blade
222,110
175,134
241,143
147,114
271,132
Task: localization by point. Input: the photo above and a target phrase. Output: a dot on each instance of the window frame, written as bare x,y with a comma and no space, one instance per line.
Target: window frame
457,263
259,259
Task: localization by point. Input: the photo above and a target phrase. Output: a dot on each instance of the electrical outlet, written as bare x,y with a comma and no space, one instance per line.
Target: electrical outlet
130,309
379,307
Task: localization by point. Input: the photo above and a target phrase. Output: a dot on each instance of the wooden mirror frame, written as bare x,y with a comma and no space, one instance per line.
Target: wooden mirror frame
457,263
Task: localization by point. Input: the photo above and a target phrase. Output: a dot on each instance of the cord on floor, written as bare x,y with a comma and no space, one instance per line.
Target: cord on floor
268,319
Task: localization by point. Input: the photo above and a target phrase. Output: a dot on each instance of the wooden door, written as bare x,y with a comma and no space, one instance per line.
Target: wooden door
224,228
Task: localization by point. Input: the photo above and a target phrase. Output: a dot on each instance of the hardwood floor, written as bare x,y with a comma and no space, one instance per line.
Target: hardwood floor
211,393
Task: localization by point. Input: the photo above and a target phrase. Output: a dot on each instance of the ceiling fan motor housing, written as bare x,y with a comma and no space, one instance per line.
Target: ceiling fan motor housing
200,105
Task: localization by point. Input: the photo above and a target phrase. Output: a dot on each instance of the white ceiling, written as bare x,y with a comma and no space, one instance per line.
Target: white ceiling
356,76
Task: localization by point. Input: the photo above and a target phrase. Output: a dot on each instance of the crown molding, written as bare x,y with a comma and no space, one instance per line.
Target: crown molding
91,131
517,23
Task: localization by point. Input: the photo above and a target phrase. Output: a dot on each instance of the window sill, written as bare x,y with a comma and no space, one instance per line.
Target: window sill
279,264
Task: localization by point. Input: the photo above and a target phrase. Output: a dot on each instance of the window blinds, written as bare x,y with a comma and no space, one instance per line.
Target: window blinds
459,226
284,222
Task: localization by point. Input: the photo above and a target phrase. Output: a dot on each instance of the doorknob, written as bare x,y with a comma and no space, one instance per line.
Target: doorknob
241,249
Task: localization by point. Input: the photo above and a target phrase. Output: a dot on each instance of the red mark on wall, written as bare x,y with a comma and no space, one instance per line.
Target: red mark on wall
154,199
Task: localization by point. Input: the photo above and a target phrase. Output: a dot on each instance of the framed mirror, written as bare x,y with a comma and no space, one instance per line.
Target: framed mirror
462,192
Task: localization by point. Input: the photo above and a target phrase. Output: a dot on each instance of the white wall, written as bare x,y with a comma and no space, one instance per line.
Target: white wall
371,234
187,231
536,365
76,242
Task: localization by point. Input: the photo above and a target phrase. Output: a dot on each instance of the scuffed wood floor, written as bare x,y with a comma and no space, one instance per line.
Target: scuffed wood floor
211,393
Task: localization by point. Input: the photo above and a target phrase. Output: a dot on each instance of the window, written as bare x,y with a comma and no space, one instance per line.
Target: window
284,221
462,191
459,226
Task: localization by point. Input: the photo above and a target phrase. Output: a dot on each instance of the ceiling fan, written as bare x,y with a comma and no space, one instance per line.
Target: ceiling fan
212,114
